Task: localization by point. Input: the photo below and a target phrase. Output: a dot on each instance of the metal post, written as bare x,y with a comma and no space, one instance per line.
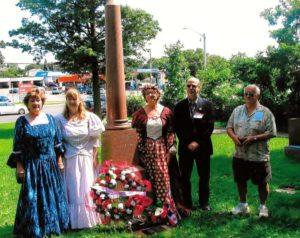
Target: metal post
203,36
204,50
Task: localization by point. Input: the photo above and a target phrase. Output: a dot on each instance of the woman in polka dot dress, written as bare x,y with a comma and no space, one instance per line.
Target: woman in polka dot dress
156,143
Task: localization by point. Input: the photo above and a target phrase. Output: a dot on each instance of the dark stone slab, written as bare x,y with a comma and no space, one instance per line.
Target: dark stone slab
294,131
292,151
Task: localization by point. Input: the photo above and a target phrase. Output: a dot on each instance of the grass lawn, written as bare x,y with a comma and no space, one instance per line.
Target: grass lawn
284,220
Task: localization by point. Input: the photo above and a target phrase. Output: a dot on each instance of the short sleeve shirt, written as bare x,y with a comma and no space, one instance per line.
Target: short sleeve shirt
261,121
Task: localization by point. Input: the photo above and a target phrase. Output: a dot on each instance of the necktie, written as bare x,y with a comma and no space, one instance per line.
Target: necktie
192,108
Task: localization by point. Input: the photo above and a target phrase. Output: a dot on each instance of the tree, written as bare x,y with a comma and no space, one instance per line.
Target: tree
12,72
286,16
2,45
281,64
194,59
74,31
176,73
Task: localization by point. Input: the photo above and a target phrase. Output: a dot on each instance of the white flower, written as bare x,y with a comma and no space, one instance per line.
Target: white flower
122,177
113,182
132,203
110,196
139,188
158,211
121,206
114,176
117,217
98,192
133,183
123,172
126,186
102,196
128,211
132,175
107,214
110,172
102,182
109,206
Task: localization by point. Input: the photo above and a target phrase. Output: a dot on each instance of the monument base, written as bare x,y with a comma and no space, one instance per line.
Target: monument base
120,146
292,151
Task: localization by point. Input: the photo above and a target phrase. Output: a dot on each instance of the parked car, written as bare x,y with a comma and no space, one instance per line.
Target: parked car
56,90
13,90
4,99
89,103
88,90
11,108
102,91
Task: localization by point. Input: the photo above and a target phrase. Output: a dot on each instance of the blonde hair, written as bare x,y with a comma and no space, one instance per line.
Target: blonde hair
34,93
81,112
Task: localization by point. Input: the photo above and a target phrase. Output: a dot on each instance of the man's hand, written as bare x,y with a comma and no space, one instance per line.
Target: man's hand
237,140
193,146
249,140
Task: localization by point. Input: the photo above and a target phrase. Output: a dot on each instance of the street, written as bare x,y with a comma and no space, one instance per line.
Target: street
51,109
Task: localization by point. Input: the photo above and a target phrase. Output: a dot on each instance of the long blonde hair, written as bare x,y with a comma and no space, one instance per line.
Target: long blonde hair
81,112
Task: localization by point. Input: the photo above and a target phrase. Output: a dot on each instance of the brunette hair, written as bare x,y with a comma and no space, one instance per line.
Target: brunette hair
34,93
81,112
150,87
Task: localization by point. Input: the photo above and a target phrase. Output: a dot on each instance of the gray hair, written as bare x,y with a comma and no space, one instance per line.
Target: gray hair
257,90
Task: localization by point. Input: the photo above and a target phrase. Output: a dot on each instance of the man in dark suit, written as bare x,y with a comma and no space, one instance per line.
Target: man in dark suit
194,124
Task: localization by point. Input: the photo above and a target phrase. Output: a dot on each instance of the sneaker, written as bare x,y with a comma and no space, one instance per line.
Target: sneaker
240,208
263,211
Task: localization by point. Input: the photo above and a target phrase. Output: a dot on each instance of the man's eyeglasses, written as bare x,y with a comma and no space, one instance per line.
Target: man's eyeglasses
249,94
191,86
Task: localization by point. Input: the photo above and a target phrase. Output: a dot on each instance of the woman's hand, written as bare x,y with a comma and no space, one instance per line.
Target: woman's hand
95,157
20,171
60,164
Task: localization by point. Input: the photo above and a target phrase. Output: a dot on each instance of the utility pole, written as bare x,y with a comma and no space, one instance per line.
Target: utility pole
203,36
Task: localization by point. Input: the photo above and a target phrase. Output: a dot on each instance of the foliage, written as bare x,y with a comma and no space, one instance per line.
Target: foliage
11,72
33,66
286,16
284,208
176,73
74,31
2,45
1,59
134,103
194,59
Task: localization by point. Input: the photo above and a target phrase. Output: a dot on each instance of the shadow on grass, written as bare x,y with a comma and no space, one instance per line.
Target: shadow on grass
6,231
6,133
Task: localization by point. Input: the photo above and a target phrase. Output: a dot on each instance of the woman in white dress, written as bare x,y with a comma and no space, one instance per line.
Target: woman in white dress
80,131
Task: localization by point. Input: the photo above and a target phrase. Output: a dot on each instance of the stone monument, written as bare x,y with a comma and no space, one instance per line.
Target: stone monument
293,150
119,140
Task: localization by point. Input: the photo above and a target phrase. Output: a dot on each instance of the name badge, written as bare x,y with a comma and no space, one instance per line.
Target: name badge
258,116
198,115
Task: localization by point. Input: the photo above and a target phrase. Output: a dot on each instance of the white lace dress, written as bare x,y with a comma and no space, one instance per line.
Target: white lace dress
79,138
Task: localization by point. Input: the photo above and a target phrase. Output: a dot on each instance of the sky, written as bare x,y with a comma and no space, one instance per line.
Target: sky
230,26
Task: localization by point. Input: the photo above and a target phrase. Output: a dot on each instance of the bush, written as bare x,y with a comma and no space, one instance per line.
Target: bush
134,103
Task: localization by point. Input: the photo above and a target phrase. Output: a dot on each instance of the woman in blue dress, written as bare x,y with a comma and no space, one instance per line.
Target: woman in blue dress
42,207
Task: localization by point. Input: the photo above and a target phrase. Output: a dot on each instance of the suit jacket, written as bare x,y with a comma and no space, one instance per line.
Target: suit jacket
194,128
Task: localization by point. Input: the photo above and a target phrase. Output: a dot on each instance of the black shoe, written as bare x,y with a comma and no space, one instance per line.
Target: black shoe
205,208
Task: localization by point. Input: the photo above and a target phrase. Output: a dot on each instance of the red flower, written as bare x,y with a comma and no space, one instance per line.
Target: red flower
99,201
138,210
164,213
148,185
147,201
106,220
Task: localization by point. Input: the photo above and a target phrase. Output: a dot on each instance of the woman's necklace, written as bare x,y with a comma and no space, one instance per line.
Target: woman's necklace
153,112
